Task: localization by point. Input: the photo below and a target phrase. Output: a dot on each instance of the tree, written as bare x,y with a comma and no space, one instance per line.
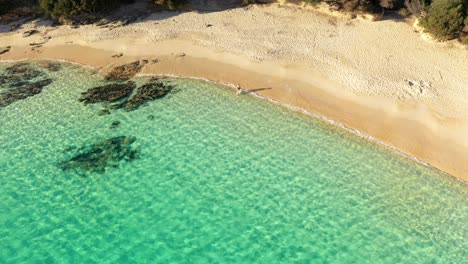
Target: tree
58,8
445,18
171,4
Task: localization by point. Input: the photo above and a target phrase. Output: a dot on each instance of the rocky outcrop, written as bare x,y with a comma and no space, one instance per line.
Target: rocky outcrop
24,70
102,155
21,81
4,49
108,93
29,33
151,91
50,65
12,95
124,72
125,95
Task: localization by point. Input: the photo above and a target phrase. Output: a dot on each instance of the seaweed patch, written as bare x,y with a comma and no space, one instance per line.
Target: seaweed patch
102,155
125,72
126,95
153,90
21,81
108,93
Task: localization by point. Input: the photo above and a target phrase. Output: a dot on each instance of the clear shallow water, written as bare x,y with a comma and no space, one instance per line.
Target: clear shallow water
220,178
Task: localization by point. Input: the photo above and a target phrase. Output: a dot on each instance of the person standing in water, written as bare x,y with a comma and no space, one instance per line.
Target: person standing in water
239,89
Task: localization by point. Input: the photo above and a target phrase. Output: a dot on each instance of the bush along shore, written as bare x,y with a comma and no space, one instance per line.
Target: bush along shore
443,19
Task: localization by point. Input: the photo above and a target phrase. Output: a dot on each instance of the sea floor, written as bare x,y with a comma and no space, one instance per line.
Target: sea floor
205,176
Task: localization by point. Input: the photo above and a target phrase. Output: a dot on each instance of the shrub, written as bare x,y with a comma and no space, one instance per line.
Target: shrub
416,7
445,19
58,8
404,12
171,4
5,6
464,40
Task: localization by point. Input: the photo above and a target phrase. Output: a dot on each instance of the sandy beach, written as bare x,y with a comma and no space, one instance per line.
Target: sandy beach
381,78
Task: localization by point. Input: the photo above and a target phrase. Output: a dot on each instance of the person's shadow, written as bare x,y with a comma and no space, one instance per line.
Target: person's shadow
247,91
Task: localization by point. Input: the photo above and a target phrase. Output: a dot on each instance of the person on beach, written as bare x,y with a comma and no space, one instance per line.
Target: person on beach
239,89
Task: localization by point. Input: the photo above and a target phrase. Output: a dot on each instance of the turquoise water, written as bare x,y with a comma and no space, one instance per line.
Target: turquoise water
220,179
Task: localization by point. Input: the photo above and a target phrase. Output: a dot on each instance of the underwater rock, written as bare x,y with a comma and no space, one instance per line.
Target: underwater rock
104,112
150,117
124,72
147,92
115,124
50,65
24,71
102,155
30,89
108,93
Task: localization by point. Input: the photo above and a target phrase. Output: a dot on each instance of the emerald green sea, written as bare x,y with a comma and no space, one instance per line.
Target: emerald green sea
219,178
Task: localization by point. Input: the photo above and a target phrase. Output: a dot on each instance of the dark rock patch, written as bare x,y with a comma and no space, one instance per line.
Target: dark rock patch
148,92
102,155
30,89
103,112
29,33
5,49
108,93
50,65
115,124
124,72
150,117
24,71
20,81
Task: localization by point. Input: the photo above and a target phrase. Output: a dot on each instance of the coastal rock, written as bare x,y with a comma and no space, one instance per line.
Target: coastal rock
24,70
12,95
115,124
5,49
102,155
103,112
124,72
151,91
50,65
29,33
118,55
20,81
108,93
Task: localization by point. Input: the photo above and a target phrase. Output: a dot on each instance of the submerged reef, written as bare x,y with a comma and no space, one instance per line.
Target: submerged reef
102,155
153,90
23,70
12,95
108,93
125,95
125,72
50,65
20,81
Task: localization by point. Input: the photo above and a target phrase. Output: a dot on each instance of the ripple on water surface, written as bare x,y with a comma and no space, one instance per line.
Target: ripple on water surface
217,178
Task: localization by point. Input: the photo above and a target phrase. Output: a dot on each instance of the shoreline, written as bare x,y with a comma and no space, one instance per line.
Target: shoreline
431,133
306,112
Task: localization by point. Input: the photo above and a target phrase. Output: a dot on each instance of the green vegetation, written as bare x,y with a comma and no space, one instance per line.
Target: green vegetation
59,8
444,19
171,4
5,6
